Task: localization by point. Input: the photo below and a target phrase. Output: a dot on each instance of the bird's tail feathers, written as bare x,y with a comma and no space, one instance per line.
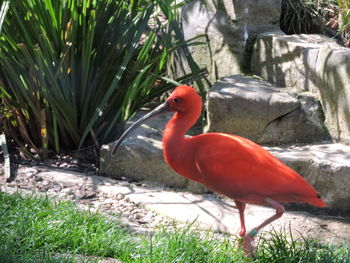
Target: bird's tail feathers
316,202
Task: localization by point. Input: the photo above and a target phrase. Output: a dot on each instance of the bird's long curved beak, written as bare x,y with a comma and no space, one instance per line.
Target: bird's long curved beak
160,110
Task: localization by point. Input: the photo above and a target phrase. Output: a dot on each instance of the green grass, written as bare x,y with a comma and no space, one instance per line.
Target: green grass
37,229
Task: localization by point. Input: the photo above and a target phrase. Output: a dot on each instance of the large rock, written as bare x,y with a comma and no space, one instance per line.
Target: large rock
325,166
309,62
140,158
254,109
288,60
333,71
226,26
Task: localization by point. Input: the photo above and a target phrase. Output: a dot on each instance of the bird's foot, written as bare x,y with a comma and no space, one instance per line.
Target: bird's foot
242,232
247,243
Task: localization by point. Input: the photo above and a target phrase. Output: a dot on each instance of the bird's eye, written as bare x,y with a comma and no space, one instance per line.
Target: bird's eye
176,99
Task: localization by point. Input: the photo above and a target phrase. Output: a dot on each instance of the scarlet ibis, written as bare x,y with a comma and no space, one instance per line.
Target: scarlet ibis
227,164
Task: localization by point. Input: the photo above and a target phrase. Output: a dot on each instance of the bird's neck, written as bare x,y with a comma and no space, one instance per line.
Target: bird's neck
174,145
177,127
177,150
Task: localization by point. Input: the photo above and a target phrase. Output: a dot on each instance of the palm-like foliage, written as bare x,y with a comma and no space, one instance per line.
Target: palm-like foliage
303,16
344,20
311,16
74,71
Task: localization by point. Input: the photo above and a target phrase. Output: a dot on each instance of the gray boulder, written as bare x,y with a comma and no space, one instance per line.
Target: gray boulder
312,63
252,108
227,26
333,71
288,60
302,125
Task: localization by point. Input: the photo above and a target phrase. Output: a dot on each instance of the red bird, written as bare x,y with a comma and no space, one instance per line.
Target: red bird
227,164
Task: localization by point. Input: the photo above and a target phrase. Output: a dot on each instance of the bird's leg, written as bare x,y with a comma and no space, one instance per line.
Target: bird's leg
247,245
241,206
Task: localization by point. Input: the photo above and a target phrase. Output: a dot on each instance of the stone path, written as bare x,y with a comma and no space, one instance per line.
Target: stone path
144,207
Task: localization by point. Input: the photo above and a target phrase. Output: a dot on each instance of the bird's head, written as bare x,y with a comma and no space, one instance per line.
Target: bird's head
184,99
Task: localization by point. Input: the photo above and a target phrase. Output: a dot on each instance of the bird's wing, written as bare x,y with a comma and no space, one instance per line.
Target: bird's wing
232,164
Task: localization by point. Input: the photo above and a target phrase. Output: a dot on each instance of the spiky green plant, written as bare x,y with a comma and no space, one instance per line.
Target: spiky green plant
3,11
74,71
344,20
303,16
331,17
